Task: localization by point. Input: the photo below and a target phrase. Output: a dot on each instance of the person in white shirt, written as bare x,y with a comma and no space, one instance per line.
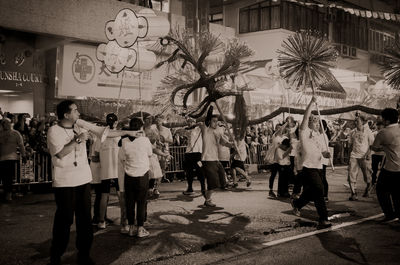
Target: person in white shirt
224,153
134,155
388,185
277,139
237,165
212,168
108,155
283,159
376,157
193,157
71,180
360,157
313,150
165,139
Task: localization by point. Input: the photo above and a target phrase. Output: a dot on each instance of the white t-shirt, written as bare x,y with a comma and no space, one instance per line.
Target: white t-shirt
223,151
389,139
136,156
375,133
313,145
195,144
211,138
283,161
242,150
65,173
361,140
109,158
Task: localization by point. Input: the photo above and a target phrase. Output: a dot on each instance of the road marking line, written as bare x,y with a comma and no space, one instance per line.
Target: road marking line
335,227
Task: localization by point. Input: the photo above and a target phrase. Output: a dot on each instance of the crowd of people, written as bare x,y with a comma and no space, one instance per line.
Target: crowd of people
88,157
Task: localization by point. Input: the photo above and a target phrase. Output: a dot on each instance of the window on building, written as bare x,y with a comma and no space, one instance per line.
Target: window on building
270,14
216,18
379,40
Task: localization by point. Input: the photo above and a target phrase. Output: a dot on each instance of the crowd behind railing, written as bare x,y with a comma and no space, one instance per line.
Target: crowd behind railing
35,166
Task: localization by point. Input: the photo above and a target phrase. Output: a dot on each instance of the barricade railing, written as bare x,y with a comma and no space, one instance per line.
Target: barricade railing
36,169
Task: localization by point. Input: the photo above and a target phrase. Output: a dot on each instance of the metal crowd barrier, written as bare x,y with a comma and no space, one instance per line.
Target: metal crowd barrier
36,170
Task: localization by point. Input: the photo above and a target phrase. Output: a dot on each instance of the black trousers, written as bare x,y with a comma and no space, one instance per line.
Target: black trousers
283,181
324,180
72,201
298,182
192,169
376,159
387,191
7,169
313,190
97,199
136,198
274,170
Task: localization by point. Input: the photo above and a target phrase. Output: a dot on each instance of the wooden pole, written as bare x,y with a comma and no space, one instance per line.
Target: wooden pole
320,120
229,132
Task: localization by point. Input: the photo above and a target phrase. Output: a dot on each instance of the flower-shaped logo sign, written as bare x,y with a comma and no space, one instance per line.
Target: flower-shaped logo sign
115,57
127,28
124,32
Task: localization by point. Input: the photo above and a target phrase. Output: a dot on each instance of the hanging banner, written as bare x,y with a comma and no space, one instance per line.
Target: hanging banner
81,74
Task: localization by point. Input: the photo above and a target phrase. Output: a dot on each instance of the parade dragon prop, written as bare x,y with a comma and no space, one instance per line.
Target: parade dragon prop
201,62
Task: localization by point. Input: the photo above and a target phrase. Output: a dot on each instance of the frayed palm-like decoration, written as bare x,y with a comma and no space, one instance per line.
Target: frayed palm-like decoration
305,59
391,65
188,56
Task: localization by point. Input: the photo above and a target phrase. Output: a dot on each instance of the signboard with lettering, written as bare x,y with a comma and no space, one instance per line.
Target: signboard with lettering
21,68
80,74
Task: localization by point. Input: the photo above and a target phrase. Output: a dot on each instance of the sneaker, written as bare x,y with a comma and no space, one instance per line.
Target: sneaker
156,192
366,193
248,183
102,225
353,197
323,224
141,232
132,230
272,194
296,211
189,193
124,229
209,203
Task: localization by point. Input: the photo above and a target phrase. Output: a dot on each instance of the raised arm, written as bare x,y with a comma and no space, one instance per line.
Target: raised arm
307,114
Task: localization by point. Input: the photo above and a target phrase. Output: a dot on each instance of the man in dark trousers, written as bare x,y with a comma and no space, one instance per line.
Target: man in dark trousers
313,150
71,180
387,187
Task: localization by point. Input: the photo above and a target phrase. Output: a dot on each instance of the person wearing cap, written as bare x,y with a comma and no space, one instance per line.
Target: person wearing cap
313,150
387,187
360,142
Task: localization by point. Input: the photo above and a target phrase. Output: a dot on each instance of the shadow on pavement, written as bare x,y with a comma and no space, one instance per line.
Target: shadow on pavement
346,248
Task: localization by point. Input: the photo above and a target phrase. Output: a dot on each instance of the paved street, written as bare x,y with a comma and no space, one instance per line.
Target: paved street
184,232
